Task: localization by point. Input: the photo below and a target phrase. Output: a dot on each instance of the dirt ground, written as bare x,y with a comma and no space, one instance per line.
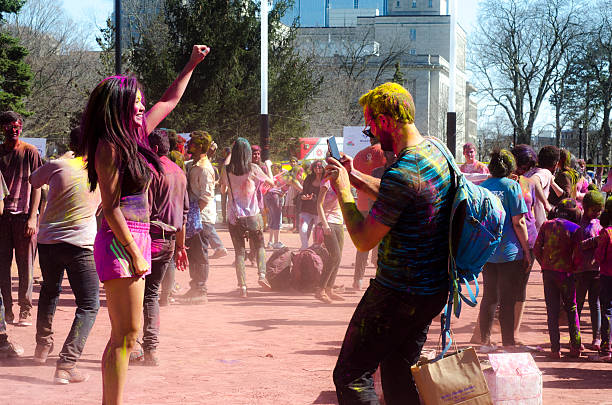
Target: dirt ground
273,348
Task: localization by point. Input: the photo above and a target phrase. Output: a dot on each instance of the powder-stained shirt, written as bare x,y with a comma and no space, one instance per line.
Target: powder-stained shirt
3,188
168,198
509,192
201,177
555,245
476,167
331,206
414,201
546,178
242,195
603,253
16,165
528,192
70,216
584,255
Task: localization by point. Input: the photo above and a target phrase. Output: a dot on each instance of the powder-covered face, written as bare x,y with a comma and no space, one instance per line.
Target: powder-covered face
470,155
384,136
592,212
139,109
12,130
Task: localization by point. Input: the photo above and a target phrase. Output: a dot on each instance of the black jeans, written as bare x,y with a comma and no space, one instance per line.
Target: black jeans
160,262
197,253
334,243
81,270
388,329
606,315
560,284
502,283
588,282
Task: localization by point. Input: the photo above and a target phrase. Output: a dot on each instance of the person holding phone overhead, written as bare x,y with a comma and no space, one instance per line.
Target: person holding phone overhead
115,129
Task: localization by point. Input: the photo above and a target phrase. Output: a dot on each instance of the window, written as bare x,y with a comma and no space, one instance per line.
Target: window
413,51
413,3
412,34
430,3
397,4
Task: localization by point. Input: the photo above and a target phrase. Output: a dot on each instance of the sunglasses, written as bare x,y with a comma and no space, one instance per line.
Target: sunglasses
367,132
10,126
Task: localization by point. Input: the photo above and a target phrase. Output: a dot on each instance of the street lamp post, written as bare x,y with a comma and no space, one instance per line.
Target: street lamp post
580,142
264,123
117,37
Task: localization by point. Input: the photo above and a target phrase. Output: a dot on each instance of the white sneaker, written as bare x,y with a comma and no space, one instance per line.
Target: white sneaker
487,349
278,245
219,253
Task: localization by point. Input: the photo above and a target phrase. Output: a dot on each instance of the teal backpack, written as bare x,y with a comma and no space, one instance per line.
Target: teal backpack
476,227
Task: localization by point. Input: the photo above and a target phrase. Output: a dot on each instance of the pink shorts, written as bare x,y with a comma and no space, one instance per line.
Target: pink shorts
112,260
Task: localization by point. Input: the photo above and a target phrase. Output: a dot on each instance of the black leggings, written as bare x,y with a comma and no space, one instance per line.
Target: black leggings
502,283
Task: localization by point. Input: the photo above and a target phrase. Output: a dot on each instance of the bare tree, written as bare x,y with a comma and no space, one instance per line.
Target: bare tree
517,47
350,62
63,66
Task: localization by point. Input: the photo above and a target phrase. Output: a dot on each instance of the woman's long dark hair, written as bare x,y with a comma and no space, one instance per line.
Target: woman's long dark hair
312,175
240,163
109,117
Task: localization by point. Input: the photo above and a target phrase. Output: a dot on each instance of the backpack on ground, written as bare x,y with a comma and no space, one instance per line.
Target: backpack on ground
278,269
476,228
306,270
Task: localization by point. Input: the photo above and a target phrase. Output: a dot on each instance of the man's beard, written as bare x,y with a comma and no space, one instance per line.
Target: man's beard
386,142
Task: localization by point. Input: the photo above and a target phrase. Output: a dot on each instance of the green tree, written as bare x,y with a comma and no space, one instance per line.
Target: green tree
15,74
223,96
398,75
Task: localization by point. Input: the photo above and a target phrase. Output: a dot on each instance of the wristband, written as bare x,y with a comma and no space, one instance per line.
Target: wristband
128,244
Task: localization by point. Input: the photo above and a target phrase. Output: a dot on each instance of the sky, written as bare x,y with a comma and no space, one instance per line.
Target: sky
94,13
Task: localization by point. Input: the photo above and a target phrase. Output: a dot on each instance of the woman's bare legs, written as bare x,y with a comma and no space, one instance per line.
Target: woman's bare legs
124,298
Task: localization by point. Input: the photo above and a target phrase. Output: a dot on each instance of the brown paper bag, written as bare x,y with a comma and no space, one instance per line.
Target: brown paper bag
455,379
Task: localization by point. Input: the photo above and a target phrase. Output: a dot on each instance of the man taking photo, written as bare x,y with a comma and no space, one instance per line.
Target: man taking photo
410,219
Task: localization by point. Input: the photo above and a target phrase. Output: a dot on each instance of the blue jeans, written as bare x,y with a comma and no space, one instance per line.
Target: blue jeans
275,212
388,328
81,270
307,222
210,233
606,312
197,253
557,283
159,264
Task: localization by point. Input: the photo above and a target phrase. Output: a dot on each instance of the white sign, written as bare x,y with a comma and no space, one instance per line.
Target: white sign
319,149
39,143
354,140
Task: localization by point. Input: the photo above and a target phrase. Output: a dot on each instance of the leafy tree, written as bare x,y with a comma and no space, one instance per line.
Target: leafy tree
398,75
223,96
15,74
10,6
63,67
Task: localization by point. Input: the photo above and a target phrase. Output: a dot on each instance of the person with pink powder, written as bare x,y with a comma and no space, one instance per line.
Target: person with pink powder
119,159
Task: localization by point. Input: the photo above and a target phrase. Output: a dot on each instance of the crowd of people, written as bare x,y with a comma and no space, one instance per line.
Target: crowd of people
132,204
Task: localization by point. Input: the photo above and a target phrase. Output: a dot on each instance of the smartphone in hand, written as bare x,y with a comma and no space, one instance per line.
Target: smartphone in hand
333,148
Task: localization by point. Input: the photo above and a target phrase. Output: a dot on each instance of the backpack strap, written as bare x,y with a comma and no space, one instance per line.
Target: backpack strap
455,295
